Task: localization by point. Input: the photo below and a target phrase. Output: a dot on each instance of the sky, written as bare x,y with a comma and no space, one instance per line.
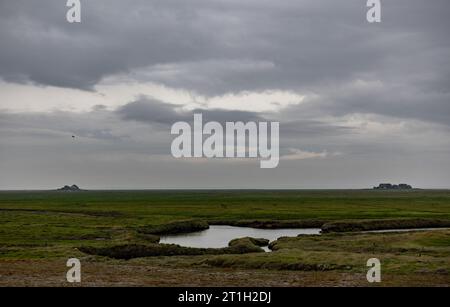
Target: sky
358,103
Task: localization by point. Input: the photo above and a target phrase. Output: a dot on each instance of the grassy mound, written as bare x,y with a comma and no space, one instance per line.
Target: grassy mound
249,241
366,225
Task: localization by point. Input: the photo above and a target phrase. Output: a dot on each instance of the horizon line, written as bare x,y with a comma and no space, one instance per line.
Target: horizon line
217,189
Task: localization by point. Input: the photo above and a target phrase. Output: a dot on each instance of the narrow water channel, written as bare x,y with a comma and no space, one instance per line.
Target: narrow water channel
218,236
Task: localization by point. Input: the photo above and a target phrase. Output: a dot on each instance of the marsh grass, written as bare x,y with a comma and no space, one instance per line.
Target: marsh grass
174,227
398,252
50,226
130,251
378,224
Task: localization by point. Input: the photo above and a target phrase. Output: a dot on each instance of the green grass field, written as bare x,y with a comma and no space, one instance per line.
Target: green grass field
47,227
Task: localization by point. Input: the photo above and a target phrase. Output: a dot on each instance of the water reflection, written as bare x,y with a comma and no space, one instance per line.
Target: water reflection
219,235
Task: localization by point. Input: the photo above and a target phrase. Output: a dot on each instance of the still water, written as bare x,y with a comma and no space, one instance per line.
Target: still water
219,235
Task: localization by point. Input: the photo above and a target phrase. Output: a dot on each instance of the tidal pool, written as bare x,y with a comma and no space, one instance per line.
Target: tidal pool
219,235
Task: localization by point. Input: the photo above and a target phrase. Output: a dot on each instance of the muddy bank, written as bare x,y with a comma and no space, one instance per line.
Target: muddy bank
130,251
385,224
174,227
271,224
147,238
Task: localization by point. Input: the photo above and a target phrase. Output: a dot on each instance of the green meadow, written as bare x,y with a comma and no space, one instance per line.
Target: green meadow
47,226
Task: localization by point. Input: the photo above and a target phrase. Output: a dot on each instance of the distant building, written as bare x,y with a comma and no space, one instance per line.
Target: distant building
390,186
404,186
383,186
73,188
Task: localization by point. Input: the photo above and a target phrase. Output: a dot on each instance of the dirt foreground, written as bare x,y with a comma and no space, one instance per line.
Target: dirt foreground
35,273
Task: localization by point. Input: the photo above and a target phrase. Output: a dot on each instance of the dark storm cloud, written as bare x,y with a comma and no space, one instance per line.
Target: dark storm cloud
215,46
151,111
396,100
40,45
223,46
311,128
293,133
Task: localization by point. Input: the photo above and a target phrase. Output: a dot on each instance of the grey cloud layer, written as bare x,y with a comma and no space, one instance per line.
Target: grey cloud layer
295,43
217,47
153,111
117,149
396,73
